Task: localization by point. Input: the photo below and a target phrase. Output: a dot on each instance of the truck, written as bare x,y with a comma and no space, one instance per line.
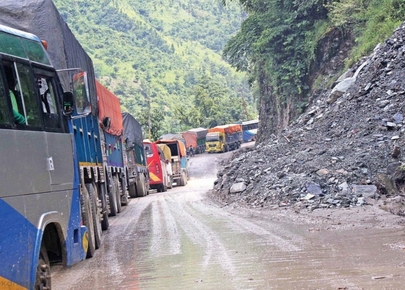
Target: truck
159,159
45,207
224,138
135,159
42,18
196,139
178,160
111,126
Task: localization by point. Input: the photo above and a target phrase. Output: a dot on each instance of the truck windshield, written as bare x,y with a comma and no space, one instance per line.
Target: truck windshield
211,138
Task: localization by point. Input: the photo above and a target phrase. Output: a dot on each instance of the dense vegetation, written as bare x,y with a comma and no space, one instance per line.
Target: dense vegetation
163,59
280,41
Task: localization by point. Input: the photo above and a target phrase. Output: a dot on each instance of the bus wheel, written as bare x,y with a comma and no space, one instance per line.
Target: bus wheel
95,212
89,223
112,199
43,275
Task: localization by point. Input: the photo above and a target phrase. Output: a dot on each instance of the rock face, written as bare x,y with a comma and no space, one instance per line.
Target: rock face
341,153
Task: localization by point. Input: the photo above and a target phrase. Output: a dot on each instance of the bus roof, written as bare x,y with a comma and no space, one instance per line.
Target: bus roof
22,44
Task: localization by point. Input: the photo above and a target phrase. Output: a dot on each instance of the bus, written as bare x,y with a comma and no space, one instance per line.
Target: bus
44,212
249,129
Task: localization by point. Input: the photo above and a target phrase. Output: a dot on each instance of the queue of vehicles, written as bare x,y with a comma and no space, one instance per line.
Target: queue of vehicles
69,168
83,157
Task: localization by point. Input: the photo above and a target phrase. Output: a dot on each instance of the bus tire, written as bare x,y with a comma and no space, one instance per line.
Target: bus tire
95,212
89,223
43,274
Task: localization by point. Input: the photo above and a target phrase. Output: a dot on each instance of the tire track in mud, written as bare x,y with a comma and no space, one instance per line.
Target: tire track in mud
165,238
276,234
202,234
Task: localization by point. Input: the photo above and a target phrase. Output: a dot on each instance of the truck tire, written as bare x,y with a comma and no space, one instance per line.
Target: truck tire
182,181
88,222
132,190
124,198
112,199
95,212
118,190
141,187
170,182
104,201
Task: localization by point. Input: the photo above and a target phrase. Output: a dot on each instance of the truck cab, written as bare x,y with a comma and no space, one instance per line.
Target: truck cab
178,160
159,165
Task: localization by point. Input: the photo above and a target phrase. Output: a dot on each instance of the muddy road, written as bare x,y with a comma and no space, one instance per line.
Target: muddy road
181,239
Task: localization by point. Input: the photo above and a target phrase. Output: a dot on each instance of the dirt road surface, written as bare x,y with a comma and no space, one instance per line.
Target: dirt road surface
181,239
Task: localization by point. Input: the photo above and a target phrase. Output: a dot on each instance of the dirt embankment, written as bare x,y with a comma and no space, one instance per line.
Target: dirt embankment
345,151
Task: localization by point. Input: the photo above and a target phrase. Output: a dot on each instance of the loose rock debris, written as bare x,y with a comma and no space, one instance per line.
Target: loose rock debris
345,151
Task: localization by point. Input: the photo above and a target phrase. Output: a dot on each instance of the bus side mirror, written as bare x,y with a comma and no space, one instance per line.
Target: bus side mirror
68,104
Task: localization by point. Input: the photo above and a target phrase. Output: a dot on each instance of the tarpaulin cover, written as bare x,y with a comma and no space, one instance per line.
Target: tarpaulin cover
191,138
171,136
201,132
41,18
109,107
180,144
166,151
132,130
232,128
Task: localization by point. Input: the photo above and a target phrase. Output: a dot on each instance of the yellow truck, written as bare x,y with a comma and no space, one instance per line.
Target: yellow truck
224,138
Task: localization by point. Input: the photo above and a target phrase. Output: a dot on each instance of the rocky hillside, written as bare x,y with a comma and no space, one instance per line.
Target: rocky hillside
346,150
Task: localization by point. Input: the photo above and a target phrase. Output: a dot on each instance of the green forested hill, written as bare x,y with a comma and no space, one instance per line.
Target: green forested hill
164,53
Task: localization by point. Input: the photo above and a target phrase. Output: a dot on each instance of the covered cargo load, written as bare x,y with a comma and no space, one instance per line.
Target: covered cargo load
109,107
190,138
132,129
166,151
201,132
41,18
196,139
229,129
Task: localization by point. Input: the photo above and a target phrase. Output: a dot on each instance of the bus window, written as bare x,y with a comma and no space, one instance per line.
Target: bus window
4,116
28,94
47,93
13,93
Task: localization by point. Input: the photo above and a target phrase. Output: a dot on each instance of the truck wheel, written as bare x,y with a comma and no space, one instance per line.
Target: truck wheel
43,275
118,190
104,223
170,182
182,181
124,199
132,190
141,187
112,199
88,222
164,187
95,212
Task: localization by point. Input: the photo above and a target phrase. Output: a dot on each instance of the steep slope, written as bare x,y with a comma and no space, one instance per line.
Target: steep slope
347,149
155,51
